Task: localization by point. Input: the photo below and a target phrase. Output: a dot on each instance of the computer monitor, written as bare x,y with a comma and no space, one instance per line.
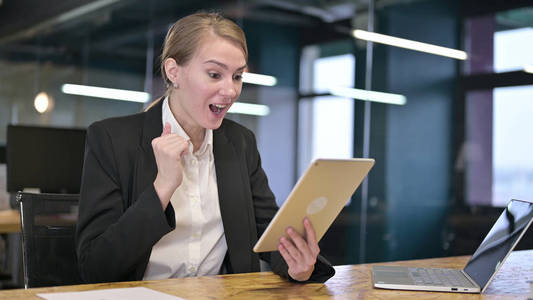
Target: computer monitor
44,158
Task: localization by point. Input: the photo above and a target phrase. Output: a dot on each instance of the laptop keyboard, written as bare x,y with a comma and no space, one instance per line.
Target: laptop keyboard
439,277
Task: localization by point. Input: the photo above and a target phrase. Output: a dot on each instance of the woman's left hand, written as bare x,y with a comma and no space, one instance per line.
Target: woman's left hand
300,253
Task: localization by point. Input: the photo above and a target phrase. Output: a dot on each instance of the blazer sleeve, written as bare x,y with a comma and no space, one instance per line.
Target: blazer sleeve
265,208
114,241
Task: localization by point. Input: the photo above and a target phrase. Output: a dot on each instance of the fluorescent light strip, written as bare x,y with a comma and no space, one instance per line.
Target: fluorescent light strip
409,44
259,79
249,109
528,69
369,95
107,93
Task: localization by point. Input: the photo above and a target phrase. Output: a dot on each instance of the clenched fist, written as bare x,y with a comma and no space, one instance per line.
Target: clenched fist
169,149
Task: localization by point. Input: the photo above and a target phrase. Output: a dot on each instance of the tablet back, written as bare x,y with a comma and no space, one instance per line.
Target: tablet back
320,194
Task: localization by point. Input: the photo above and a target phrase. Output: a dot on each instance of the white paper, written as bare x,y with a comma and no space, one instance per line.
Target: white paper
133,293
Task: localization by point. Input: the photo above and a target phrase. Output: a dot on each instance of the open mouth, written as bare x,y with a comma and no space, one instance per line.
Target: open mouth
217,108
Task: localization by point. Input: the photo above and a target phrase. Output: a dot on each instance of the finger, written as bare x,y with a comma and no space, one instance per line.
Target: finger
291,249
171,145
180,147
169,138
166,129
177,145
310,235
286,256
174,141
301,244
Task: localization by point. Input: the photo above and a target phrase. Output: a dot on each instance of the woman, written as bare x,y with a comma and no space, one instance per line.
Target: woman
178,190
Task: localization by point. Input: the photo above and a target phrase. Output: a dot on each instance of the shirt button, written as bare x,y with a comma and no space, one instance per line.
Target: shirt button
194,161
196,235
192,269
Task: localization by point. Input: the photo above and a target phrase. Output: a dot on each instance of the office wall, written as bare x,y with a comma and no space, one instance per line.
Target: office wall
274,50
418,147
21,81
410,187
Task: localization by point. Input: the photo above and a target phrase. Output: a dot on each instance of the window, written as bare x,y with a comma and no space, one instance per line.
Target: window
326,122
512,145
498,144
512,49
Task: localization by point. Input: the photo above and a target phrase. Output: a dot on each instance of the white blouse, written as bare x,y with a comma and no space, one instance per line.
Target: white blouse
197,246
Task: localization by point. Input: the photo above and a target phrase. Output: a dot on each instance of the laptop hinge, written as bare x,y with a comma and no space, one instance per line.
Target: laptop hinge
471,280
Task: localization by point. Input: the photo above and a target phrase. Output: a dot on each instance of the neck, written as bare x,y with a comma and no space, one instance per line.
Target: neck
195,132
197,136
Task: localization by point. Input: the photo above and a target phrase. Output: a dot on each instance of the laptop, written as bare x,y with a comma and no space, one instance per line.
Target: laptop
320,194
480,269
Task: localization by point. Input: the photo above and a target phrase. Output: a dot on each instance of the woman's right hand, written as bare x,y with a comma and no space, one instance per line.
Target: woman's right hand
169,149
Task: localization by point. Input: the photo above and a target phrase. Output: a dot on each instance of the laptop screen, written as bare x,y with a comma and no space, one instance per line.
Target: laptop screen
500,240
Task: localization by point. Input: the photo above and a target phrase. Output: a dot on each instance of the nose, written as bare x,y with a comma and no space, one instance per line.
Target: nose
230,89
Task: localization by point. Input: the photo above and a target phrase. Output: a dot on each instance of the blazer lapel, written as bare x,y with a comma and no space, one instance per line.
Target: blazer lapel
232,202
145,165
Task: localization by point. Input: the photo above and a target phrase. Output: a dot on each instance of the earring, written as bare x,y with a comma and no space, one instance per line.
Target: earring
175,85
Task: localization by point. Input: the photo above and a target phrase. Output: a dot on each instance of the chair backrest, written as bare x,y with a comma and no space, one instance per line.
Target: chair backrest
48,232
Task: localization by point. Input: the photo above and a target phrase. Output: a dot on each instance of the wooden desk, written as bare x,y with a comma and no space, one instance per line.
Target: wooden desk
350,282
9,221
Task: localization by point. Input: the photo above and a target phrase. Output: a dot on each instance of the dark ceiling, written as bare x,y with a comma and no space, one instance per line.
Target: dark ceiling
119,32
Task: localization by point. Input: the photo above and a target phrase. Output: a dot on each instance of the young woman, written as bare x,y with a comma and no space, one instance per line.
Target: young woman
178,190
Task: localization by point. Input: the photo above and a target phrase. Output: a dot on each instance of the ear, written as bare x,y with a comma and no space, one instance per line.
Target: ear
171,69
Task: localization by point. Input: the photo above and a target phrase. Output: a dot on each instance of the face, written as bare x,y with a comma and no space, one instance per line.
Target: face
208,84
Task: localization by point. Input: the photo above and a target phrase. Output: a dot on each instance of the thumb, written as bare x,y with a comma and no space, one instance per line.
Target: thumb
186,150
166,129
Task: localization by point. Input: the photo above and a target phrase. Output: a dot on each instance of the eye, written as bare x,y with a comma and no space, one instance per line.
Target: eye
237,77
213,75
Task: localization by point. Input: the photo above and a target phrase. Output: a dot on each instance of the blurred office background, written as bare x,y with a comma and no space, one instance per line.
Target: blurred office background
446,161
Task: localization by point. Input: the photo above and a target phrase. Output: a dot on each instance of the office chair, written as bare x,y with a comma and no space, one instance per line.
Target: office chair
48,247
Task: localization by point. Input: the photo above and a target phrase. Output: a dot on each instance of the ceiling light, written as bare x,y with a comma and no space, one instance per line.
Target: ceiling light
259,79
528,69
43,103
409,44
107,93
249,109
369,95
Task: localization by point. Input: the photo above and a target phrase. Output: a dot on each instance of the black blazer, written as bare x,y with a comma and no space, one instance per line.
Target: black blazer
120,215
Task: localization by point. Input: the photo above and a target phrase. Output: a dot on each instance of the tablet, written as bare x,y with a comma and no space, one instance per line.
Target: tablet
320,194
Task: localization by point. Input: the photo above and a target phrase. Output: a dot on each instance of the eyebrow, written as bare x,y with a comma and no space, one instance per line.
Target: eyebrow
222,65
